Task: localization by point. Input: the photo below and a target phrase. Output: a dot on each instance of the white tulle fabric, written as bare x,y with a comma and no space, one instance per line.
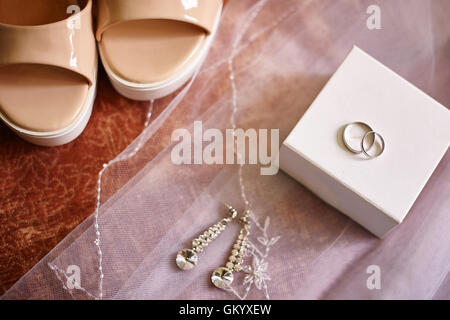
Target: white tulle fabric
269,61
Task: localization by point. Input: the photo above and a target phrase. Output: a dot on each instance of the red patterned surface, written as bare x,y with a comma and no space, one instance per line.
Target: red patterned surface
46,192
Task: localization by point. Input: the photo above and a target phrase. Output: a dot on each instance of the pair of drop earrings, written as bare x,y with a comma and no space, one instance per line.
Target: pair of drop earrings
221,277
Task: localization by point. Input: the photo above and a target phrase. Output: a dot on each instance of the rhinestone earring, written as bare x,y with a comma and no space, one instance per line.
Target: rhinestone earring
187,258
223,277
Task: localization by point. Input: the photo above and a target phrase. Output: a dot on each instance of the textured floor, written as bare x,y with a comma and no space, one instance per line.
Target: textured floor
46,192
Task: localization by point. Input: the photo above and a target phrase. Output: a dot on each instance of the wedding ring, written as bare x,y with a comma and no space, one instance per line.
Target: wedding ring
365,151
350,142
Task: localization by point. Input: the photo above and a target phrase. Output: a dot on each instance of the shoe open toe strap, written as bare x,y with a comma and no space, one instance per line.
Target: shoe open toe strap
68,44
198,12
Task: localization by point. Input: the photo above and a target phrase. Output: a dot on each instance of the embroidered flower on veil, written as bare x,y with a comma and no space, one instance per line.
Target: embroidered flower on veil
257,273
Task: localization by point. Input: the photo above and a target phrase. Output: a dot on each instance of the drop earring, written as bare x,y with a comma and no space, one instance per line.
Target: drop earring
187,258
223,277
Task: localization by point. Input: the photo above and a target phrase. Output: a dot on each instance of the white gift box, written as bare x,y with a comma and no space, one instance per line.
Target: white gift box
376,193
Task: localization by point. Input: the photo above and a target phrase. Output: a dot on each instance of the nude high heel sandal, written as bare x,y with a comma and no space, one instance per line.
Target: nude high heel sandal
48,68
150,48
